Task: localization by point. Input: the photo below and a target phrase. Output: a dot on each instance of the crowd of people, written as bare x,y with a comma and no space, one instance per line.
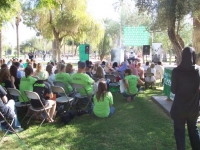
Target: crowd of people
32,76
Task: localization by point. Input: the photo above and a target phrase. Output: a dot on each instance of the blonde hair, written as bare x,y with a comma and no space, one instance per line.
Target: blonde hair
99,72
39,67
152,65
96,65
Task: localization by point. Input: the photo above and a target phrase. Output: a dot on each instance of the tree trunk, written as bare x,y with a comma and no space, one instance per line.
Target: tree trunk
17,34
196,38
75,51
54,51
0,41
73,47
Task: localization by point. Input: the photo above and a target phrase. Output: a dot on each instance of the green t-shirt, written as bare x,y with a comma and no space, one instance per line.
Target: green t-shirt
132,82
102,108
85,80
26,84
66,79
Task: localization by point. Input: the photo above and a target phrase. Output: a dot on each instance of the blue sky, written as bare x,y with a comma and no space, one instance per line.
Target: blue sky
97,8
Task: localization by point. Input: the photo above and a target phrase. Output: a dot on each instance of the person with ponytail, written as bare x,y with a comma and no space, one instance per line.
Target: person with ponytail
103,101
26,83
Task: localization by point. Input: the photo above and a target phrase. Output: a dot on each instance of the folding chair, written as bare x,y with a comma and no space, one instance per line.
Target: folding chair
63,85
16,92
64,98
149,83
10,128
35,96
79,96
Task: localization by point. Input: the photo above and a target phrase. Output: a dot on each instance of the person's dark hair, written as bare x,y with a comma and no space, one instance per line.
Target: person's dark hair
13,71
102,90
4,66
20,61
128,71
115,64
90,63
28,71
103,63
147,63
69,68
61,67
52,63
159,63
49,69
4,75
17,64
87,62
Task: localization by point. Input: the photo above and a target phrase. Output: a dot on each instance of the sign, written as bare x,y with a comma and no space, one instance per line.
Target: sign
156,52
83,52
136,36
167,83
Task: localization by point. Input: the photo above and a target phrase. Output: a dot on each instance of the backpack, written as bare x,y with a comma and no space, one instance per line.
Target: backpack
66,117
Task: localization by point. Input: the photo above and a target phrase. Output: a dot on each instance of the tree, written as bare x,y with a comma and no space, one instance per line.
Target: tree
55,19
104,46
168,15
8,10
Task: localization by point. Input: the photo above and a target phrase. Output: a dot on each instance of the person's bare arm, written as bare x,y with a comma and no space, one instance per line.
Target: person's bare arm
140,82
4,99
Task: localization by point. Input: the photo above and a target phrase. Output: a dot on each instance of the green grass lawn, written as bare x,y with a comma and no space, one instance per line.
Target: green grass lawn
138,125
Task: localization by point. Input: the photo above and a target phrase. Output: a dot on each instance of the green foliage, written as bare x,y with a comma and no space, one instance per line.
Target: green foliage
6,4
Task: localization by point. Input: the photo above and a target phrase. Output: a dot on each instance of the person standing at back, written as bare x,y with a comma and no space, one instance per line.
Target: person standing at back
184,110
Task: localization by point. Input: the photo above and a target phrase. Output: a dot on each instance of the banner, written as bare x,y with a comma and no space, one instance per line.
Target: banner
156,52
167,83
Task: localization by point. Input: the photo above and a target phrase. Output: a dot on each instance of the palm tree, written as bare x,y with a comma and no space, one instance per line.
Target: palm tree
17,21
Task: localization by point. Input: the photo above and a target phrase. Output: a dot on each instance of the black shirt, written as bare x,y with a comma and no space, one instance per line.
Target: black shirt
42,88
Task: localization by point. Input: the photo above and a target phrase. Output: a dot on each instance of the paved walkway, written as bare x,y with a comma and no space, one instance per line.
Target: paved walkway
165,103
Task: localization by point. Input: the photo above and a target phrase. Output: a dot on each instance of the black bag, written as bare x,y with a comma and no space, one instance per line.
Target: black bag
66,117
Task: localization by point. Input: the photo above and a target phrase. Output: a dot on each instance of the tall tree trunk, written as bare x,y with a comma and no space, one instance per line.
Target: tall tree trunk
73,47
17,36
54,51
171,31
75,51
0,41
196,37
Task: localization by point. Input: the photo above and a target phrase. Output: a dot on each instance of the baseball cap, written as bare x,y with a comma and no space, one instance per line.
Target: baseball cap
81,65
43,75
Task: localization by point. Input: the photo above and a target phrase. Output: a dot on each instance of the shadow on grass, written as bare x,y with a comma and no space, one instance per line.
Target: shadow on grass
137,125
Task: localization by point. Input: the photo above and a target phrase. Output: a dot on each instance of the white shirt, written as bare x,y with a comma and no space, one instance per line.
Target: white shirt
159,71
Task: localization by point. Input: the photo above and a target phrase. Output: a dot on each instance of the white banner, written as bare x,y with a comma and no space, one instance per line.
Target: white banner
156,52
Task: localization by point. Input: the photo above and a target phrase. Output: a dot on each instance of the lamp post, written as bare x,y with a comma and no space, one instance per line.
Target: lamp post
17,21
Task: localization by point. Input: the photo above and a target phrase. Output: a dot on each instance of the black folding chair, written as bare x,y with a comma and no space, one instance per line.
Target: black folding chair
38,111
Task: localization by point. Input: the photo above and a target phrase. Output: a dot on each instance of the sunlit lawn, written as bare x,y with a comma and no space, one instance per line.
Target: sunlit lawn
138,125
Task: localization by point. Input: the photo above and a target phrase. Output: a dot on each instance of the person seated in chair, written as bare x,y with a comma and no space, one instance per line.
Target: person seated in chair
7,108
26,83
83,79
64,77
44,91
131,82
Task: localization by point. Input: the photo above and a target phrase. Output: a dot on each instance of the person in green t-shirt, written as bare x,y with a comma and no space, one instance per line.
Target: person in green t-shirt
61,76
82,78
131,82
26,83
103,101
